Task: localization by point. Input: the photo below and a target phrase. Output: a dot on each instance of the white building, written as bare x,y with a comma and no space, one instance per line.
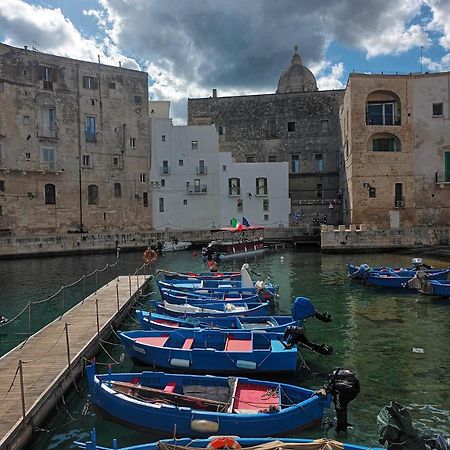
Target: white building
194,186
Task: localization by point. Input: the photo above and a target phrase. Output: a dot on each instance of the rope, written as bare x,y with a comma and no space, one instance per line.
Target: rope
11,385
14,318
54,345
104,349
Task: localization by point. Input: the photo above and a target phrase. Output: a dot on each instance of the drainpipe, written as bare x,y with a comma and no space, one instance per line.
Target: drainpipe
80,225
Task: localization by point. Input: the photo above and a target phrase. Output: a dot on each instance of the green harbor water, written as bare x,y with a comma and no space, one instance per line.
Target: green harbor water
397,342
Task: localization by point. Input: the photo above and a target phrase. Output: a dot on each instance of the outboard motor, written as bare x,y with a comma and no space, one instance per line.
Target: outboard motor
302,308
343,384
296,336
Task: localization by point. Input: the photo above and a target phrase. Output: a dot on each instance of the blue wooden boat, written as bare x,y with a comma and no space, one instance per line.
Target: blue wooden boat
153,321
218,309
302,308
391,280
180,297
362,271
202,406
436,288
168,275
211,351
228,442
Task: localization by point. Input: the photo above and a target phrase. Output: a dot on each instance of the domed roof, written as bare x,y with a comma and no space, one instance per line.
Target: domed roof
297,77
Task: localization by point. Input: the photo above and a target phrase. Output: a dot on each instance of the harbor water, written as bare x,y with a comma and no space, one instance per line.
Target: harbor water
396,341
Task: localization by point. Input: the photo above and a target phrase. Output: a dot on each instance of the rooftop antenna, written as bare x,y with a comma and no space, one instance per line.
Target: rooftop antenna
33,47
421,56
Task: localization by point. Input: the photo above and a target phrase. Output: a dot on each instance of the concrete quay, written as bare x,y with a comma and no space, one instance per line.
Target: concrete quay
35,374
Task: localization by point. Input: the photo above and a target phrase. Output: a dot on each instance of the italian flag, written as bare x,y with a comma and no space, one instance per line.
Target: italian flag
236,224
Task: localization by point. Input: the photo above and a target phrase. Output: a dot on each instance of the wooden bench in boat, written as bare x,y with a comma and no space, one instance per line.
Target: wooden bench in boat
188,344
233,344
155,341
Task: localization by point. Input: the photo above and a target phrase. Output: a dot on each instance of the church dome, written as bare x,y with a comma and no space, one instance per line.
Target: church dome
297,77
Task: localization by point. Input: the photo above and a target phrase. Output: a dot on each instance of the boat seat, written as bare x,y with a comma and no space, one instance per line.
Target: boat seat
170,387
188,344
238,345
155,341
277,346
251,398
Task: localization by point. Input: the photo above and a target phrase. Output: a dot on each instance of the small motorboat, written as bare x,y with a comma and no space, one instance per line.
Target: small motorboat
175,246
392,280
435,288
217,309
168,275
231,442
211,351
302,308
206,405
199,297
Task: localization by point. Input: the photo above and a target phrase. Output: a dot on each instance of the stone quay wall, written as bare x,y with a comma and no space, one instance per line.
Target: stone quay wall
361,238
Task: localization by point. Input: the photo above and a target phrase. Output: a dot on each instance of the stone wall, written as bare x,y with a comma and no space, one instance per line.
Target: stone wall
360,238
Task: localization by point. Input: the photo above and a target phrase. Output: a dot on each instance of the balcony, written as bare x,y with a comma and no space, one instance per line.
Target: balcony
202,189
48,132
164,170
201,170
383,119
49,166
442,179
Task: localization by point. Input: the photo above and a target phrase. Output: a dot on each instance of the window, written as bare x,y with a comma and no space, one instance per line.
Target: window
319,191
224,167
180,162
117,190
266,204
2,153
112,85
92,194
295,163
379,113
184,202
324,125
2,185
26,120
48,122
197,185
48,158
161,205
239,205
446,166
163,138
86,160
372,192
250,159
201,166
272,158
234,186
165,167
89,82
50,194
142,177
27,156
137,100
145,199
291,127
115,161
90,128
221,131
271,131
398,195
194,145
385,144
261,186
132,142
438,109
318,163
48,77
266,217
93,101
163,182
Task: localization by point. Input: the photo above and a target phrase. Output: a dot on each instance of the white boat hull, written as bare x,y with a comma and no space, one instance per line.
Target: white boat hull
171,247
236,255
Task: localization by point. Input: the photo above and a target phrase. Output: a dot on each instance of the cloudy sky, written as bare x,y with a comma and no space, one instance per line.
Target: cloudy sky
239,47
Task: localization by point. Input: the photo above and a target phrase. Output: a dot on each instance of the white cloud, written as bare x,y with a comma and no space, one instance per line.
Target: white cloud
441,65
333,80
441,20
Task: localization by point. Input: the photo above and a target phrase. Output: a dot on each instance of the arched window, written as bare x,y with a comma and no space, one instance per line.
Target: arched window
383,108
50,194
93,194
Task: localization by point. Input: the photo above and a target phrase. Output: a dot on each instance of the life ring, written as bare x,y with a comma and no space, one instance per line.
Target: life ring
150,256
225,442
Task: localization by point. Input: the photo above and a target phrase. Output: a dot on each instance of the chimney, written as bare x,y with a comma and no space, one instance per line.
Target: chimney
214,93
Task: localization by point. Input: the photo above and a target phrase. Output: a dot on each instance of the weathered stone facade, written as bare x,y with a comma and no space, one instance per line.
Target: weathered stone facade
74,145
394,156
299,125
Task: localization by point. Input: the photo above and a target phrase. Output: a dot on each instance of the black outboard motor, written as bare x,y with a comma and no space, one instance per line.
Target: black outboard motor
296,336
343,384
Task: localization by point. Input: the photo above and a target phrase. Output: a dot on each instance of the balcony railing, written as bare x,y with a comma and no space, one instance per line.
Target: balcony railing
383,119
48,132
442,177
49,166
202,189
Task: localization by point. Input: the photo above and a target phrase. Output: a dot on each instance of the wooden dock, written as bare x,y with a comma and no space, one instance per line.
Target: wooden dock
41,364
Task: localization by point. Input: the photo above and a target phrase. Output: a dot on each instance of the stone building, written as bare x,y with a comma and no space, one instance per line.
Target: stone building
196,186
298,124
396,150
74,145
